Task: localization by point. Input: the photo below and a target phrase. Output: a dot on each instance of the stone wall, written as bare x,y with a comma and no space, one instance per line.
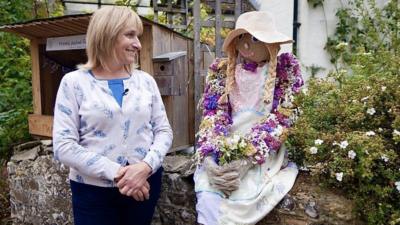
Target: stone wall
40,194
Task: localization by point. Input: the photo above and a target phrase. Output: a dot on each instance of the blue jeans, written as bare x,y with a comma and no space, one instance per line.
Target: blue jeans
93,205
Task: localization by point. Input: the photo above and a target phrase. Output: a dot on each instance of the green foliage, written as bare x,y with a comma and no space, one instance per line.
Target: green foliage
15,71
355,113
315,3
15,91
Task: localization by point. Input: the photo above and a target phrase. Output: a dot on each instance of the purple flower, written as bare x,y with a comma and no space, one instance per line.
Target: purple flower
272,143
214,65
221,129
275,103
209,112
250,66
211,101
271,123
207,149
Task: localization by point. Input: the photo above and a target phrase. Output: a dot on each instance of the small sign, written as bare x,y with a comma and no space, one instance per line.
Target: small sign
66,43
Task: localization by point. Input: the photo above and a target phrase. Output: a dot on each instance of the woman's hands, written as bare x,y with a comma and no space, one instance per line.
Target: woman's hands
132,180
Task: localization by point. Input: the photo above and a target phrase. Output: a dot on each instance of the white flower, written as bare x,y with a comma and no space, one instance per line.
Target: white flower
341,45
334,143
313,150
383,88
278,131
343,144
365,98
380,129
384,158
339,176
318,142
242,143
368,87
304,168
371,111
367,152
397,185
351,154
236,138
305,91
370,133
396,132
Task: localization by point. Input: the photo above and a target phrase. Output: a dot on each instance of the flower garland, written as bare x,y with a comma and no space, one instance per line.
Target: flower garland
266,136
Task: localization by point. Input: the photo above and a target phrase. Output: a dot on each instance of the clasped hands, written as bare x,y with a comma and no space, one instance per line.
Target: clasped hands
132,181
226,178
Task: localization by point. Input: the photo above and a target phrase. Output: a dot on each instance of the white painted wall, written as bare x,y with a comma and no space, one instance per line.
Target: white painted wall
317,24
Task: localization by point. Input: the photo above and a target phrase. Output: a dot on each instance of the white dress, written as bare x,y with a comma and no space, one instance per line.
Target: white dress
264,186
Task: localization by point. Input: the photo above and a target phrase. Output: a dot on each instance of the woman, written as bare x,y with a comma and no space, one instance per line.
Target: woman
247,108
110,126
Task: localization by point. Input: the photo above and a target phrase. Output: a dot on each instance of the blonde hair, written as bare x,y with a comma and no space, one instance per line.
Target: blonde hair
269,84
230,72
104,27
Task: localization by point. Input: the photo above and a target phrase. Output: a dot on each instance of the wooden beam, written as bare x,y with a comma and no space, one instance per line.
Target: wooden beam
40,125
218,25
211,23
197,51
146,53
238,8
37,98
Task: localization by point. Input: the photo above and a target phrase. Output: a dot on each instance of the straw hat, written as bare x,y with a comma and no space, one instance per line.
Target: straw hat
261,25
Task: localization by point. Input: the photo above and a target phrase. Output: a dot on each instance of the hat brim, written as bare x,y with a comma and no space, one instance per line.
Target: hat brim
264,36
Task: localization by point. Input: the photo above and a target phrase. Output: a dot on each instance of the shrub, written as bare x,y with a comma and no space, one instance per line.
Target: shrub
348,134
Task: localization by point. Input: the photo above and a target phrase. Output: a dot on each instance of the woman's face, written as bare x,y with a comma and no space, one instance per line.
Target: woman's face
127,46
251,49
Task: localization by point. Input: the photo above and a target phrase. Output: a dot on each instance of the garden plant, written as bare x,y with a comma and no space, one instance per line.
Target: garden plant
348,132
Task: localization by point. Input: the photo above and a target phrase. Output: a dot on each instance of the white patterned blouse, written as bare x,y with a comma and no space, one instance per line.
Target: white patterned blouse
94,136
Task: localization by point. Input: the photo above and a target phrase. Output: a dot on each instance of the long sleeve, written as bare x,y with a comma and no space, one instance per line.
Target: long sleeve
161,129
66,137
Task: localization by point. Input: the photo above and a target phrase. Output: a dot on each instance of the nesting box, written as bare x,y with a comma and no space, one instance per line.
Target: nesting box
169,72
58,44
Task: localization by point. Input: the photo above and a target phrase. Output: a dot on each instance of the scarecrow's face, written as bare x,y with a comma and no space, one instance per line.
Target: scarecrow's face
251,49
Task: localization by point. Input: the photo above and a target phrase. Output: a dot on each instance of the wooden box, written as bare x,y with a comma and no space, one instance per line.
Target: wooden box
170,72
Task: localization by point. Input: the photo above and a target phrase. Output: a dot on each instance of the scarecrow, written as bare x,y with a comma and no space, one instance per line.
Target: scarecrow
243,171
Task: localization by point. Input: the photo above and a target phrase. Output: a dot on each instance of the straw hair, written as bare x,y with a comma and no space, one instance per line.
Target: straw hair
269,85
104,27
230,73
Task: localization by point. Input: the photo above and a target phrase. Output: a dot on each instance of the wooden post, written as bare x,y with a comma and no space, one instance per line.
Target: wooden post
238,8
197,68
155,11
218,22
37,98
